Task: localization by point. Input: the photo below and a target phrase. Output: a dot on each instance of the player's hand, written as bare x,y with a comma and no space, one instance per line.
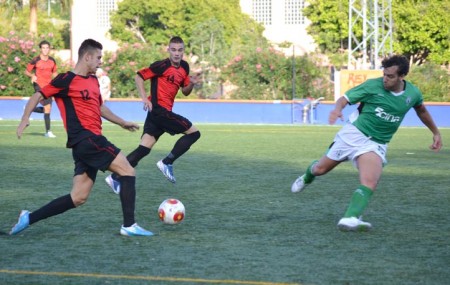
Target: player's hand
334,115
23,124
130,126
437,143
148,106
194,79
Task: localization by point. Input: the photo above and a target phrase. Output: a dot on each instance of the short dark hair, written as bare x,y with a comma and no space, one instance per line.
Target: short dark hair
397,60
44,42
176,40
88,46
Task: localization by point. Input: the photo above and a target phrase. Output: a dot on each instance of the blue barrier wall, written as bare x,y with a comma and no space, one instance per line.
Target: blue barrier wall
242,112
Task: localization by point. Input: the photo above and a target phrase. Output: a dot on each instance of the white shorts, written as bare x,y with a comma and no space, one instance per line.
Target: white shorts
349,143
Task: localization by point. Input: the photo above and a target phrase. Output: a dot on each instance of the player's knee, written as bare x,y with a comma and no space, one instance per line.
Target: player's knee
128,171
195,136
79,199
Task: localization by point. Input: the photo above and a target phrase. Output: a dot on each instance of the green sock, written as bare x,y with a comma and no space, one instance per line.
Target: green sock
309,177
360,199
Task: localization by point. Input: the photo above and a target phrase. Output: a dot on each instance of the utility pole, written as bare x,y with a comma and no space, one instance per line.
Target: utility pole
376,19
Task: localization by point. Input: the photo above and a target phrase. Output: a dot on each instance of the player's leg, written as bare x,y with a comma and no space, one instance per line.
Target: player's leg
182,145
370,166
177,124
38,109
82,185
144,148
47,110
150,136
316,168
123,168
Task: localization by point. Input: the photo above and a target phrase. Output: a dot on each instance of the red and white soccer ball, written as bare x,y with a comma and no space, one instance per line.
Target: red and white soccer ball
171,211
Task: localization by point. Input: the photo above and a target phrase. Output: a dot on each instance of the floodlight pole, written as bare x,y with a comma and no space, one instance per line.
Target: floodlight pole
376,42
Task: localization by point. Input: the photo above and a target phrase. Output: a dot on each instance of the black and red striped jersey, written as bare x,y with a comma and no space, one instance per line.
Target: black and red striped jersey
43,69
166,80
78,99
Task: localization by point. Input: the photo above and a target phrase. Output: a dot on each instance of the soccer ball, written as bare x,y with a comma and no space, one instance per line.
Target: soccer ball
171,211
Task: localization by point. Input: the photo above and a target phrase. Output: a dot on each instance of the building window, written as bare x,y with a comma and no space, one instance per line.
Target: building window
104,8
293,12
262,11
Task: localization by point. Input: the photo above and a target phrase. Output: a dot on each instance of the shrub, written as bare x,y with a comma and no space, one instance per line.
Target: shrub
432,80
16,51
123,64
265,73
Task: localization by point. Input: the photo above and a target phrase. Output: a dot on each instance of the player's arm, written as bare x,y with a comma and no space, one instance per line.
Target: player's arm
186,90
29,73
141,89
113,118
337,111
29,107
55,71
428,121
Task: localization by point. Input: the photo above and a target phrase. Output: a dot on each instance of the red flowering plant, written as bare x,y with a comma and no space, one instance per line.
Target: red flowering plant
16,50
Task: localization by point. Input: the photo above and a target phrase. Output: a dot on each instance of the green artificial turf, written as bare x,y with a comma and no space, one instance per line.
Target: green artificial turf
242,225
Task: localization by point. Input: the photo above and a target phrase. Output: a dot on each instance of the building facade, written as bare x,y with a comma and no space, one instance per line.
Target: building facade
283,21
91,19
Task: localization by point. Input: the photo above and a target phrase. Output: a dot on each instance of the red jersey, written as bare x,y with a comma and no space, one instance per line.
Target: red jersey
43,69
79,100
166,80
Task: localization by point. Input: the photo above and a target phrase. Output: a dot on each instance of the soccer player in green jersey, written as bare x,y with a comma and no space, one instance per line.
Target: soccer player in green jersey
383,103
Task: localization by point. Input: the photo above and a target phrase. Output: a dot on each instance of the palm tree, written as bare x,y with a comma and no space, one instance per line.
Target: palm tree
65,4
33,17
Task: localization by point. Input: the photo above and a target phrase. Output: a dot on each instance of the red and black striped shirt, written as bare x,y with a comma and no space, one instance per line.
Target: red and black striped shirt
43,69
79,100
166,80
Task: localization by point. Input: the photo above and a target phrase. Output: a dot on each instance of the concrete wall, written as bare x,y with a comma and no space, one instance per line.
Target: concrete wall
239,112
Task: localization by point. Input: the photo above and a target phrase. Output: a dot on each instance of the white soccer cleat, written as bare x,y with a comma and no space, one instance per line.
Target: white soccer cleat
353,224
134,230
167,170
113,184
49,134
299,184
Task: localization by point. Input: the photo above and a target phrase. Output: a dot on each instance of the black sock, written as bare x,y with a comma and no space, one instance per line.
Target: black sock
55,207
134,157
47,122
181,146
128,199
38,110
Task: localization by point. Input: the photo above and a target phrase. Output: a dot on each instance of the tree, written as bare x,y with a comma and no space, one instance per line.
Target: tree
421,28
34,13
26,19
156,21
212,31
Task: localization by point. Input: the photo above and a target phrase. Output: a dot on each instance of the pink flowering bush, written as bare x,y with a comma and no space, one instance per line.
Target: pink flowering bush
122,65
266,74
16,50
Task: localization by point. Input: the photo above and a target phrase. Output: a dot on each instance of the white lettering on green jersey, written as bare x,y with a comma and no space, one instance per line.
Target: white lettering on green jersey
382,111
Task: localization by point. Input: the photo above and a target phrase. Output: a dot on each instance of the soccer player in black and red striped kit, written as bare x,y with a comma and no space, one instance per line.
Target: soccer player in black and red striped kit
41,70
167,77
78,98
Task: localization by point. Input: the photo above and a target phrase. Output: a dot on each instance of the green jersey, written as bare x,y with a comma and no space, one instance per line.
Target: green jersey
381,111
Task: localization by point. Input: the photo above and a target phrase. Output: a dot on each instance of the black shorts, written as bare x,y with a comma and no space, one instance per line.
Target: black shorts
43,101
92,154
161,121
